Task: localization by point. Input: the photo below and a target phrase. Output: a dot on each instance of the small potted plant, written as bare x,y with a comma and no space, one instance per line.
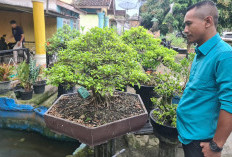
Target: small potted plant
36,74
23,75
100,62
163,117
5,73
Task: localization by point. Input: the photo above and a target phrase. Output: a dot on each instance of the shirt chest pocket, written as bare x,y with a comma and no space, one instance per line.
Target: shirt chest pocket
203,82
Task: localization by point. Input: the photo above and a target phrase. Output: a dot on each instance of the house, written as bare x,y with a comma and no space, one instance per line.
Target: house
99,13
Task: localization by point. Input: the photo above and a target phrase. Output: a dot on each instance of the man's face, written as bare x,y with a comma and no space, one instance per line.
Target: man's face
194,27
13,25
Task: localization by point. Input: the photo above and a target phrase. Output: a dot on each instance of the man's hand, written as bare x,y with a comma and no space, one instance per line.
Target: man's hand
207,151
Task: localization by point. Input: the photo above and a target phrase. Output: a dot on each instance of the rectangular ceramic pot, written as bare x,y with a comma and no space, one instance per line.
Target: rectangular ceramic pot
93,136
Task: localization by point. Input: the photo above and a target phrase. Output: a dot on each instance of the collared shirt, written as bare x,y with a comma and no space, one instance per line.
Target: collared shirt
208,91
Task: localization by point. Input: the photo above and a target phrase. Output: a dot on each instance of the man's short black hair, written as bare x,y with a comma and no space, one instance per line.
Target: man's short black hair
211,5
12,22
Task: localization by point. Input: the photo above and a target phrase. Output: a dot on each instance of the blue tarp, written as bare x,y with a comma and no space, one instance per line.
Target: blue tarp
41,110
7,104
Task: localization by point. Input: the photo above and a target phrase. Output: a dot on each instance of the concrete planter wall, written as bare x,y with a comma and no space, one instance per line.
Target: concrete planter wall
97,135
4,87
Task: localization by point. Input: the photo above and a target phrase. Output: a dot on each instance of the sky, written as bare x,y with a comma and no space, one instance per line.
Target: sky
130,12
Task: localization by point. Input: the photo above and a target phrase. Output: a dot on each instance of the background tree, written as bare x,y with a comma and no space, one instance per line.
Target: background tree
153,13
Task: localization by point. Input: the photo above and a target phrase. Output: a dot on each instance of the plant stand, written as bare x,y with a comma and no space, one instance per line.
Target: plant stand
167,149
105,150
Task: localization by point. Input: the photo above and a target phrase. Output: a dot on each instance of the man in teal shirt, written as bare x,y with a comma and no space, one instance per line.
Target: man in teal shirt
204,114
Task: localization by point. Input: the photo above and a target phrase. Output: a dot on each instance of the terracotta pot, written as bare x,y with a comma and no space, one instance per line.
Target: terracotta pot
93,136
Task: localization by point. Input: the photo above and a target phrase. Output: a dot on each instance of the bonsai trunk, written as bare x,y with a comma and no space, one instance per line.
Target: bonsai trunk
98,99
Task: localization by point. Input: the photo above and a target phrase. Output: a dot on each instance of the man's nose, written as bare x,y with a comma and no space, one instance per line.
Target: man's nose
185,30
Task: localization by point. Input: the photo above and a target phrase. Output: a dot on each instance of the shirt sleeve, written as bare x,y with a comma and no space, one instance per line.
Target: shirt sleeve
224,82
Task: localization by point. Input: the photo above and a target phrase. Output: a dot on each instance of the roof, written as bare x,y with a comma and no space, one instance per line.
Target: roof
120,12
70,7
92,3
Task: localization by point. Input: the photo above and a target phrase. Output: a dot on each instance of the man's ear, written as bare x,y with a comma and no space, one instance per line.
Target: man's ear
209,21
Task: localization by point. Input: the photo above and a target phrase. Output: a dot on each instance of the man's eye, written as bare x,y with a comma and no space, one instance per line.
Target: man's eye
188,23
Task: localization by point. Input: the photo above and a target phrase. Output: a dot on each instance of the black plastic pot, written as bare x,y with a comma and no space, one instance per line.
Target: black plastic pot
62,89
175,48
39,87
26,95
17,90
163,131
146,93
182,51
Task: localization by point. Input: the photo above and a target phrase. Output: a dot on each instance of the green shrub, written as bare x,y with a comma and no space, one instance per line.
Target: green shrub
60,39
176,41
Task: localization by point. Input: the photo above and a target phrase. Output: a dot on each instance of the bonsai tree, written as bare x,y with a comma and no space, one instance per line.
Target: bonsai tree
168,86
98,61
5,72
150,53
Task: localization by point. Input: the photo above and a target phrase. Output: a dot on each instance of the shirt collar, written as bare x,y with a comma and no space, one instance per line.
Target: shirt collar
208,45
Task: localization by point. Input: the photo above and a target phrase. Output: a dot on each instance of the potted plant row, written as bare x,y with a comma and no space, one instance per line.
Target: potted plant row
151,54
5,72
100,62
170,87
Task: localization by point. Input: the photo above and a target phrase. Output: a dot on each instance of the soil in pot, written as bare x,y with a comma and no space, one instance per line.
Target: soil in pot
26,95
39,87
85,111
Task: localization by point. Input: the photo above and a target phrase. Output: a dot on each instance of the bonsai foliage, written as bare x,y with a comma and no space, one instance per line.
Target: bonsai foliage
167,87
98,61
61,73
151,54
23,72
5,72
61,38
